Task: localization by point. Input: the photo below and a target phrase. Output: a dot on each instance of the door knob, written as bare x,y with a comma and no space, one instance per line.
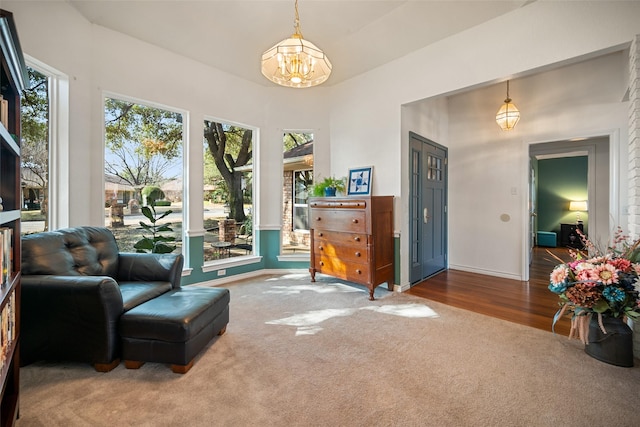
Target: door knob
425,215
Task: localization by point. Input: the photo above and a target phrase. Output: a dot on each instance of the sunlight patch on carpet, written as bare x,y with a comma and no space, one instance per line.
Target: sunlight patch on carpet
404,310
307,323
321,289
312,318
290,276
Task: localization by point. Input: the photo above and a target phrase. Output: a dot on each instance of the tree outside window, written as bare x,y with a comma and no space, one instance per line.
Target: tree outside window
228,184
143,155
35,154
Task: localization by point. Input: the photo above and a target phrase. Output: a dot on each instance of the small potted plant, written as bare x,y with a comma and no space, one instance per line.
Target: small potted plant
328,186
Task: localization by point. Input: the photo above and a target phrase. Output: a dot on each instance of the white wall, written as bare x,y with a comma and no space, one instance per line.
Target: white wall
487,165
60,38
366,114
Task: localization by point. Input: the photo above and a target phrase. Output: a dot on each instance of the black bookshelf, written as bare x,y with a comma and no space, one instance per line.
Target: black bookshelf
13,77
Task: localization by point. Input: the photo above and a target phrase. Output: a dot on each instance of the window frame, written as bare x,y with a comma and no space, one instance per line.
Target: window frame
58,191
185,130
253,256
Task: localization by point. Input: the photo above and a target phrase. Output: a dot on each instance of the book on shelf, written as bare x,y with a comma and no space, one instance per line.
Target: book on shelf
6,253
7,329
4,112
3,270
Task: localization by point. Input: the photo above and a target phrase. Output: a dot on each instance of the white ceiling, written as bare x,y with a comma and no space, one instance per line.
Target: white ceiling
230,35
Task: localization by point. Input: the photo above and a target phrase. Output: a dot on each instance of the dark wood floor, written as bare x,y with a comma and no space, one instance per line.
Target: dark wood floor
528,303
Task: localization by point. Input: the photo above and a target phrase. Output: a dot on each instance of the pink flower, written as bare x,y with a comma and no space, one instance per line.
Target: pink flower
586,272
559,274
607,274
621,264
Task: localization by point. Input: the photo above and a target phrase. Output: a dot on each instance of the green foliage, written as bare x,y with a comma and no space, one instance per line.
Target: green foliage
34,115
152,193
142,142
295,139
34,109
339,184
228,151
155,242
247,225
221,191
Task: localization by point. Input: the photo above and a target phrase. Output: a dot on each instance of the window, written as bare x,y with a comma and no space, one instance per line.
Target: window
434,173
302,180
228,190
143,174
297,179
35,154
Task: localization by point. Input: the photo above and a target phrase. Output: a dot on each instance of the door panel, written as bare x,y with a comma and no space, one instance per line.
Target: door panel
415,212
428,208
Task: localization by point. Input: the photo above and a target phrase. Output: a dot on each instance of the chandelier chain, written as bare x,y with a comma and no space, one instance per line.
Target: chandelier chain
296,24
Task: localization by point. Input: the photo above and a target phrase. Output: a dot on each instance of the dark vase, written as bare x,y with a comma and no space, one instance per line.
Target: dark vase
330,191
616,346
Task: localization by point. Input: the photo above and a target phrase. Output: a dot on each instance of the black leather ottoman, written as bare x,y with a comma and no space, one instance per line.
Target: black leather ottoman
174,327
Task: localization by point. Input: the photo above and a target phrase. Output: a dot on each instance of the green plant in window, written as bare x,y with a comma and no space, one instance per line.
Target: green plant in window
339,184
155,240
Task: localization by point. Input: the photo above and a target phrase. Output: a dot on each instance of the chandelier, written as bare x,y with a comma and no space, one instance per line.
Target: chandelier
296,62
508,115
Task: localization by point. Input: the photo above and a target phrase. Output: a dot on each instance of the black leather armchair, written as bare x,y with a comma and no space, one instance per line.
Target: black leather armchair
76,285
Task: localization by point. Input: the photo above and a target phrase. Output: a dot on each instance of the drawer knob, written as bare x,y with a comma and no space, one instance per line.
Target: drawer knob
320,234
358,254
355,221
359,271
318,219
357,239
321,262
321,248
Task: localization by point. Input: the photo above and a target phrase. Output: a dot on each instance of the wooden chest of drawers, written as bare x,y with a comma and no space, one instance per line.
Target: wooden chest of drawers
352,239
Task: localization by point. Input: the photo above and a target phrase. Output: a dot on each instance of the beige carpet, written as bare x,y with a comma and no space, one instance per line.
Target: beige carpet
303,354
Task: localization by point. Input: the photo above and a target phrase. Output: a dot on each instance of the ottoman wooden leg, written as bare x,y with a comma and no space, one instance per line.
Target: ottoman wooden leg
182,369
106,367
133,364
223,330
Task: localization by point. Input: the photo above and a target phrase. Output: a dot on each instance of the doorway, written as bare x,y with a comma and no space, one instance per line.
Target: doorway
556,208
428,208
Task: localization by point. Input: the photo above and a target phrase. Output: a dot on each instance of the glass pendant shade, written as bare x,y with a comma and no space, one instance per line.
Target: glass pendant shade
508,115
296,62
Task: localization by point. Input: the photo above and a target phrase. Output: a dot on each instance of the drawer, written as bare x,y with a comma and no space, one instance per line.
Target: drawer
353,272
339,238
339,204
345,253
348,220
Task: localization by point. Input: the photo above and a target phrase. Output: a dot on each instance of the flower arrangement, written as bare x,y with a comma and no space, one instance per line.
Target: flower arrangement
595,282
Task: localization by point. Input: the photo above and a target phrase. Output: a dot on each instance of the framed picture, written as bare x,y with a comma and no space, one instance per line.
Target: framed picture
360,181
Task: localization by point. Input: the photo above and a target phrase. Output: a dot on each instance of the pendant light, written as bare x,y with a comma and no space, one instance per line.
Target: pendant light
296,62
508,115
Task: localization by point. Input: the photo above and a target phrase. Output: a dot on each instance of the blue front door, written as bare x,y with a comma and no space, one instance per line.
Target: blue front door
428,208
